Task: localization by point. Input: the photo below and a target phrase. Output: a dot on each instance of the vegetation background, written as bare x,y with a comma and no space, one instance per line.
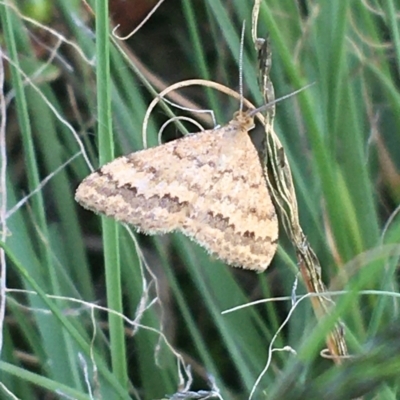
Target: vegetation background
342,139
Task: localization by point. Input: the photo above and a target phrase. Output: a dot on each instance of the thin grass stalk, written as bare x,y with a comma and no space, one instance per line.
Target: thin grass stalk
109,227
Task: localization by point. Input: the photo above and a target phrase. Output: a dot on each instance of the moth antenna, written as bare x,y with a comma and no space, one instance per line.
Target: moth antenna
241,66
271,103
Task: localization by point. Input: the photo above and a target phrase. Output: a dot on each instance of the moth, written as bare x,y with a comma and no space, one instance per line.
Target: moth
208,185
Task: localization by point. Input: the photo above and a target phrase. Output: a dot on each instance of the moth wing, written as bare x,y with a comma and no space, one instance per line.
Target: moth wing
209,185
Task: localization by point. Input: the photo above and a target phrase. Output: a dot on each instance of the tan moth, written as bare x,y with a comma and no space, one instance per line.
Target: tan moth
209,186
